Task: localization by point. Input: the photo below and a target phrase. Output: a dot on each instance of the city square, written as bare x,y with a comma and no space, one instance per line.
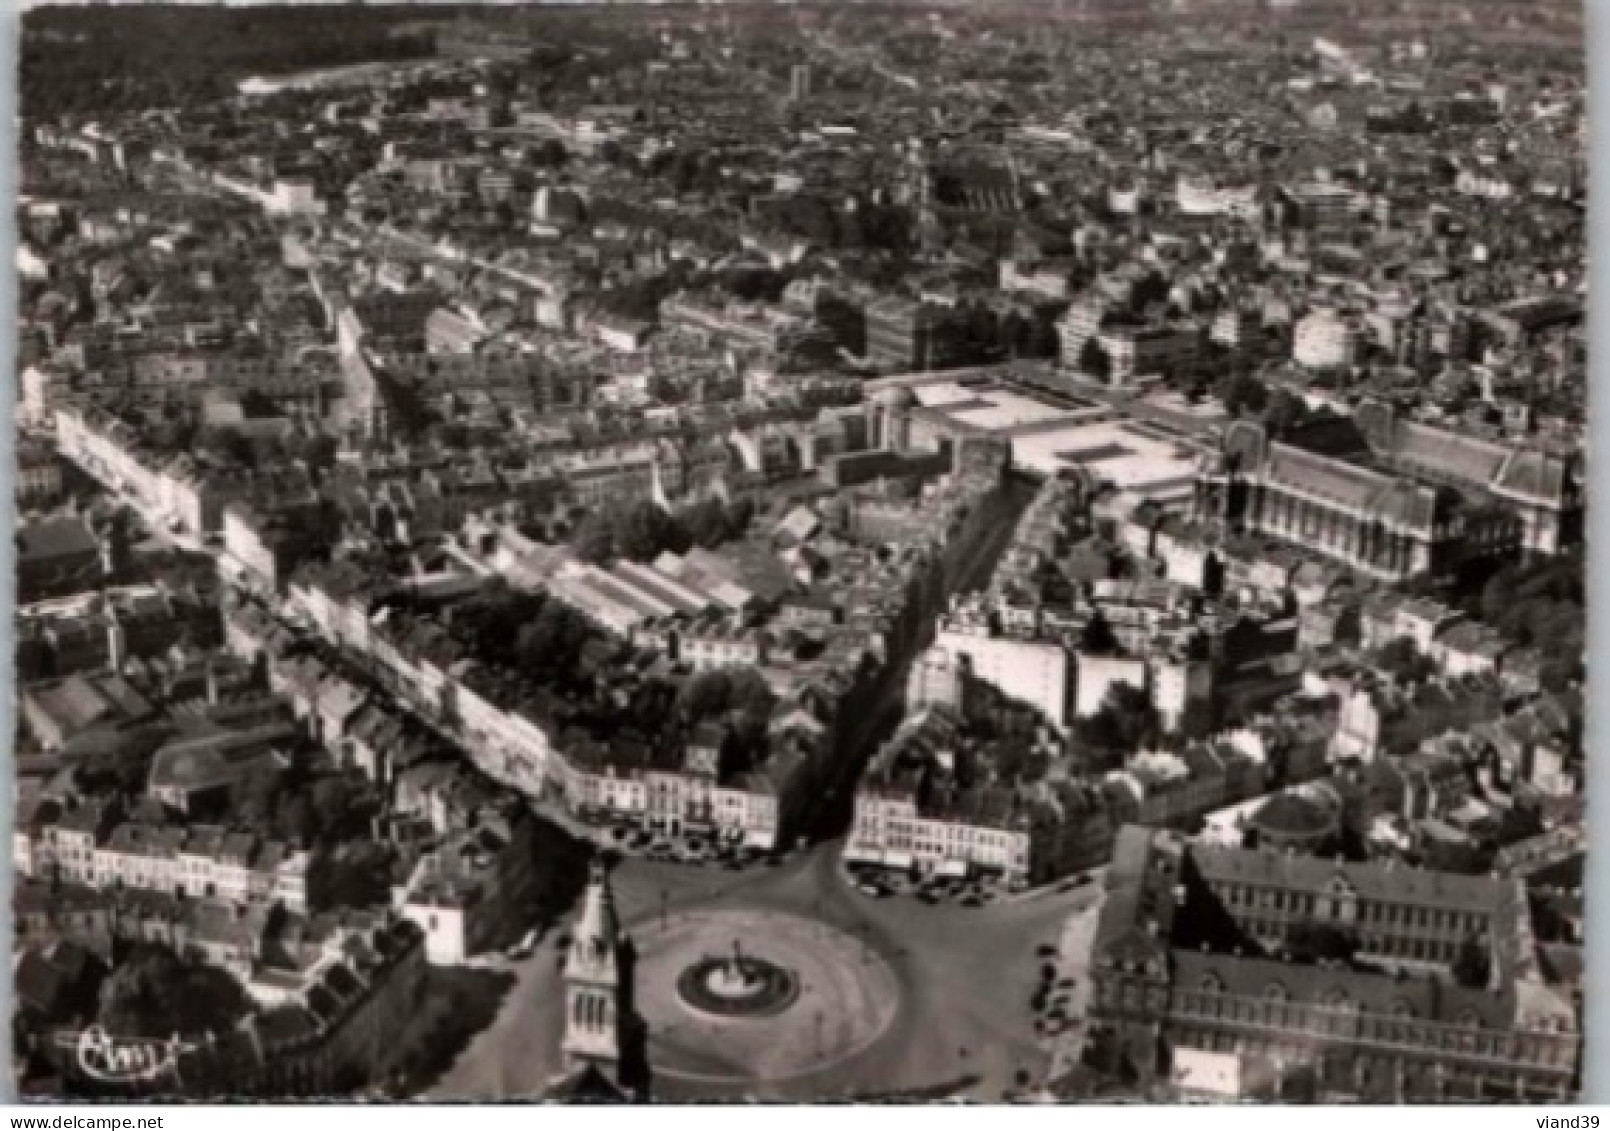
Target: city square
874,971
842,998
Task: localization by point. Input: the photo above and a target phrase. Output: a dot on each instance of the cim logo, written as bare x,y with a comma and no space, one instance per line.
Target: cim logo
119,1060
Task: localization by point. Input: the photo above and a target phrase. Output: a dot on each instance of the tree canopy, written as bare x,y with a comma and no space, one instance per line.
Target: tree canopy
96,62
1542,606
355,875
1240,394
1403,660
154,993
718,691
710,522
638,530
1284,412
309,812
1126,722
550,645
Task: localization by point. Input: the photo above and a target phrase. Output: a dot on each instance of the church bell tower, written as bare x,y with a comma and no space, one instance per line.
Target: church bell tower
593,982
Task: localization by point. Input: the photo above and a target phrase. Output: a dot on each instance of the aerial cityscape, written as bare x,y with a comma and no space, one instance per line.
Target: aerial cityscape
906,552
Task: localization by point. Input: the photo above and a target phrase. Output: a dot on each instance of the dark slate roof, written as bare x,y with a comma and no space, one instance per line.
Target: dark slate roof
1387,883
1427,999
54,538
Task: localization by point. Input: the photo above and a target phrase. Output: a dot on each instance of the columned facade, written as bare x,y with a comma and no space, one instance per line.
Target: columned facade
1387,526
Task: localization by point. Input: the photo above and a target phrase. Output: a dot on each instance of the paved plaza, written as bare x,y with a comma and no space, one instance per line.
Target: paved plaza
848,996
916,999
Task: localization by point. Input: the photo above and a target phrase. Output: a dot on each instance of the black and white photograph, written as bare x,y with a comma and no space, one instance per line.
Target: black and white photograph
904,552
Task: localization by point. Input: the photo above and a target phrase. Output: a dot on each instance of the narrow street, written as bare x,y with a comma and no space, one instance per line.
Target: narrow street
884,715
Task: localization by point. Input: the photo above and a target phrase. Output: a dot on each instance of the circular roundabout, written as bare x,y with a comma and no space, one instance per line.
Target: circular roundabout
744,998
738,985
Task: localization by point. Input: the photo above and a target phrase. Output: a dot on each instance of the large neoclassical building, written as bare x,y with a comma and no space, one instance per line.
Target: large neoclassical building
1392,498
1381,981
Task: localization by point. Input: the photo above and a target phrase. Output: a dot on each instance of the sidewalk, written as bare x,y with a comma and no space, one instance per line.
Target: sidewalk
1073,961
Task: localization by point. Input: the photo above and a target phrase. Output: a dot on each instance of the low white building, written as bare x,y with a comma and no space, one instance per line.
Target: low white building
202,862
1098,675
1326,340
890,830
1032,671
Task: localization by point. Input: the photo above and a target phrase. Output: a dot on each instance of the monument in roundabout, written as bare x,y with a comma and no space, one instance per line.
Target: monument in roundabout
714,1003
738,985
762,1003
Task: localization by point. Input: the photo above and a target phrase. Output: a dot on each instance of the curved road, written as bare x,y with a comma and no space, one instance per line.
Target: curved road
965,976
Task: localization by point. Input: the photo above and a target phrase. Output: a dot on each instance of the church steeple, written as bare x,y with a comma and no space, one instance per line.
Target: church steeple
593,989
597,933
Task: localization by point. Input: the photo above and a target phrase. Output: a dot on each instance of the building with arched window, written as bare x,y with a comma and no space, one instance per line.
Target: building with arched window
1371,981
594,984
1391,499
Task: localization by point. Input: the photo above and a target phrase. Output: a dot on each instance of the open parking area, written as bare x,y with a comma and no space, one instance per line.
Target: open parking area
974,891
664,847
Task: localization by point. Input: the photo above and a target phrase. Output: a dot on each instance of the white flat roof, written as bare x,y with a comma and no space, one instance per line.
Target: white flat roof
941,394
1113,450
1133,456
1008,410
